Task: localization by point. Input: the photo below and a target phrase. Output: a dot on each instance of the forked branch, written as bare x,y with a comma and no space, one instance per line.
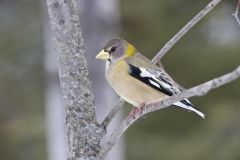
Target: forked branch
112,113
185,29
165,49
199,90
235,14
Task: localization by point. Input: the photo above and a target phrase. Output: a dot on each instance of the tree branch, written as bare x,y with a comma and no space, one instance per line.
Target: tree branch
83,132
164,50
112,113
185,29
199,90
235,15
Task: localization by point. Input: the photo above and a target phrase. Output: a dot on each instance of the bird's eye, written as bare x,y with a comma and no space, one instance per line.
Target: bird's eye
113,49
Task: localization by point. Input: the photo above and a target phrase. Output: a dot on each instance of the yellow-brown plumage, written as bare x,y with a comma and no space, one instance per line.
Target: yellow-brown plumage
136,94
135,78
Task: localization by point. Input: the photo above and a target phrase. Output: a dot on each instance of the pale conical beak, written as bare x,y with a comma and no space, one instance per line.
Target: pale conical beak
102,55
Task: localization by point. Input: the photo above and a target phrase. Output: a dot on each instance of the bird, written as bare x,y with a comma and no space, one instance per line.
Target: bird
135,78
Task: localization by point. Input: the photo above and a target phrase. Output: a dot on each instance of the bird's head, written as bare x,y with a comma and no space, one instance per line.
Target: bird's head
116,49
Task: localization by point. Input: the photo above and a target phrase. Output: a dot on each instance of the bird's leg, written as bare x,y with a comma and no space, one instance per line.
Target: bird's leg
141,107
137,109
133,111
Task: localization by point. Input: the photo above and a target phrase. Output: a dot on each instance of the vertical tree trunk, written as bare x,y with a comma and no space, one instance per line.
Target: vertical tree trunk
83,132
100,22
55,118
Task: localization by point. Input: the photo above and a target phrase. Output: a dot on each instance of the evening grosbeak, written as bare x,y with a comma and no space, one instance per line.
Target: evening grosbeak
135,78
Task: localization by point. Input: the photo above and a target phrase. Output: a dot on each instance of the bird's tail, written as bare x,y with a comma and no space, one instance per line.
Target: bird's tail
187,105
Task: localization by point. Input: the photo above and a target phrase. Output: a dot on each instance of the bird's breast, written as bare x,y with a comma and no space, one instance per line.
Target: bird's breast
129,88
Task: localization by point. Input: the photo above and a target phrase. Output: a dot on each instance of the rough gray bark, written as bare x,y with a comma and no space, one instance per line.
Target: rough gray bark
55,117
100,22
97,27
83,132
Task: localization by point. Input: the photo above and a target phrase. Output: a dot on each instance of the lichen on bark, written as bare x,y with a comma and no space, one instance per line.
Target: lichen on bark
83,132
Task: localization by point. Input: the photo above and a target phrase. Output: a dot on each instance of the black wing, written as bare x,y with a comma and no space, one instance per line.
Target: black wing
159,81
152,79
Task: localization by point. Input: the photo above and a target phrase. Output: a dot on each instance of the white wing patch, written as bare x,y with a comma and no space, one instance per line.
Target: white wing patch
145,73
154,83
160,81
179,104
155,75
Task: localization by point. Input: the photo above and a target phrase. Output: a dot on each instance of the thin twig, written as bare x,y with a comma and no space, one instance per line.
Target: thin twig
235,14
199,90
113,112
185,29
164,50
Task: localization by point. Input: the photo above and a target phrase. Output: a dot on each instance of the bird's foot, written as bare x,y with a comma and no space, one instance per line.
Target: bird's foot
141,106
137,109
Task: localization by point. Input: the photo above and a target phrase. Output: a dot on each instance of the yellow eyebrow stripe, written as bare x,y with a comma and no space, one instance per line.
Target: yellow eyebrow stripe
130,50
